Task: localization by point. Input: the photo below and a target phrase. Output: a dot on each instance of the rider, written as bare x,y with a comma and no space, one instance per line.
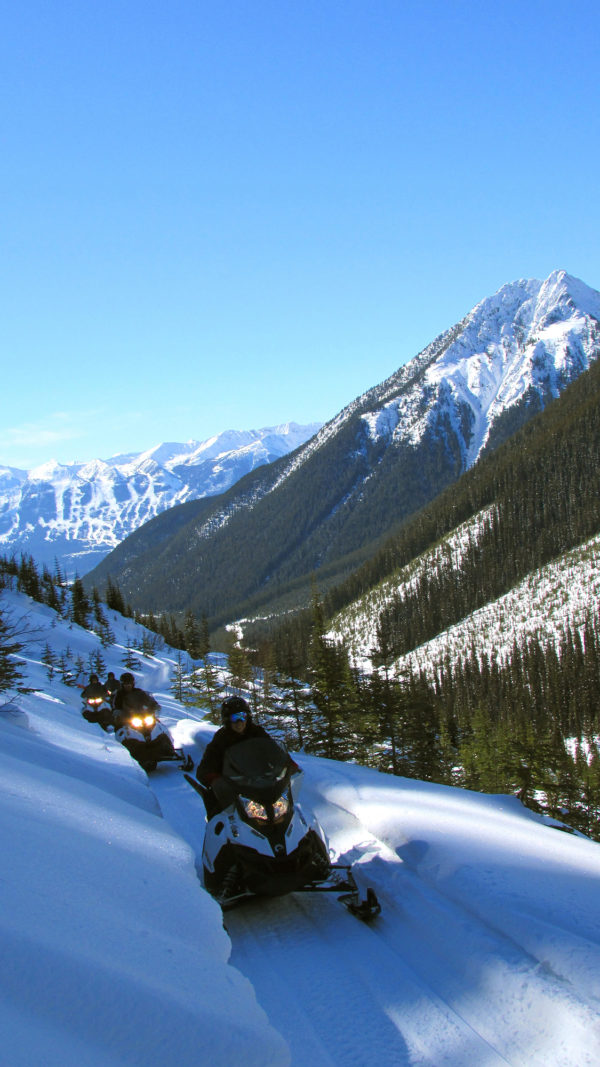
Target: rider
97,712
130,699
94,689
112,686
237,726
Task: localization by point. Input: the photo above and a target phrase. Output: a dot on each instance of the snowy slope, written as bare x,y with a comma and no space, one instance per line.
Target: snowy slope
487,951
545,605
79,512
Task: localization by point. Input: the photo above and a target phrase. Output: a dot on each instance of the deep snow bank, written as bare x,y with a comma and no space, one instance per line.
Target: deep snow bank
110,950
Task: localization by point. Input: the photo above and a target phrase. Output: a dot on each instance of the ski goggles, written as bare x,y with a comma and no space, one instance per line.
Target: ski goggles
238,716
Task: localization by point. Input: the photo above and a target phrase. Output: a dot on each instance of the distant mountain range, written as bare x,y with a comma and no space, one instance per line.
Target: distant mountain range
324,508
77,513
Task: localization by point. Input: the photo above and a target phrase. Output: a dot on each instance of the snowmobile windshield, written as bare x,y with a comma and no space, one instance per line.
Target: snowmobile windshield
259,761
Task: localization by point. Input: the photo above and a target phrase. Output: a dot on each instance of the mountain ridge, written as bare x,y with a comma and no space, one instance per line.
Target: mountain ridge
78,512
382,458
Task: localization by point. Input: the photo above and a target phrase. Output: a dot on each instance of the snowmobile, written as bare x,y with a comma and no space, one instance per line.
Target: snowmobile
261,843
98,709
149,742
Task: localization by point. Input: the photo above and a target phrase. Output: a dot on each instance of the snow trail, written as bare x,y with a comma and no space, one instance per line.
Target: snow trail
438,979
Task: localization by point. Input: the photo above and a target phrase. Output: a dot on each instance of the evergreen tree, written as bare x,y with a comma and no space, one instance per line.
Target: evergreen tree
64,668
28,581
49,591
61,586
239,666
332,693
208,687
49,660
179,679
101,626
192,636
11,672
114,597
204,645
130,660
80,605
97,663
296,698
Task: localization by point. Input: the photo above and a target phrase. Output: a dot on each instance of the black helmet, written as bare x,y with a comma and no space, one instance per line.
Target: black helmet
127,678
234,707
93,678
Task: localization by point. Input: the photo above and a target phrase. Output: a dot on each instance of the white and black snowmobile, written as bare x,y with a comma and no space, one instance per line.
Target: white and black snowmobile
98,709
261,843
149,742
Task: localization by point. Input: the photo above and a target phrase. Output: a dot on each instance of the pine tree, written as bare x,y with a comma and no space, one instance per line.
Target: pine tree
239,666
204,646
97,663
130,660
64,668
80,605
208,687
10,665
114,597
102,626
49,660
192,636
179,679
49,591
296,701
28,581
332,692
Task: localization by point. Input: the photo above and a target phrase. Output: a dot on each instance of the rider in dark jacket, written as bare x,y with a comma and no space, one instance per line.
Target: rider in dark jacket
94,689
98,711
237,726
112,686
130,699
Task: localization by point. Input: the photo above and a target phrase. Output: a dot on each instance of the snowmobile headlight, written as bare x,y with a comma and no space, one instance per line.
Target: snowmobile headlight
95,701
254,810
149,720
281,807
137,722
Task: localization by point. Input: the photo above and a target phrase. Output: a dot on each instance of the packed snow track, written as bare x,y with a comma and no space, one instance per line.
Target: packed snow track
472,961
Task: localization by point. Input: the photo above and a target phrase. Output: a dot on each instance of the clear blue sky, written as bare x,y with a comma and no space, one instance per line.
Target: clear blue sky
234,213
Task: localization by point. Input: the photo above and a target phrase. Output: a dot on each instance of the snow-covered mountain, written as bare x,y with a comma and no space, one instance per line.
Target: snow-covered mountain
487,950
381,459
77,513
476,382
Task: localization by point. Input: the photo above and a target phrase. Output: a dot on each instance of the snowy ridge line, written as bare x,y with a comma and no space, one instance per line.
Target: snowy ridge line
403,377
530,335
62,510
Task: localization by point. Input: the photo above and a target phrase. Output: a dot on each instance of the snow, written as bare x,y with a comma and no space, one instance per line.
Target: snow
486,951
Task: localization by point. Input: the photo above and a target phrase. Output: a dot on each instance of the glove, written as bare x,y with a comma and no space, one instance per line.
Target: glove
223,791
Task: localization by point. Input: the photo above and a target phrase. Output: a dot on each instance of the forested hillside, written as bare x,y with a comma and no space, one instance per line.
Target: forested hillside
526,721
540,493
